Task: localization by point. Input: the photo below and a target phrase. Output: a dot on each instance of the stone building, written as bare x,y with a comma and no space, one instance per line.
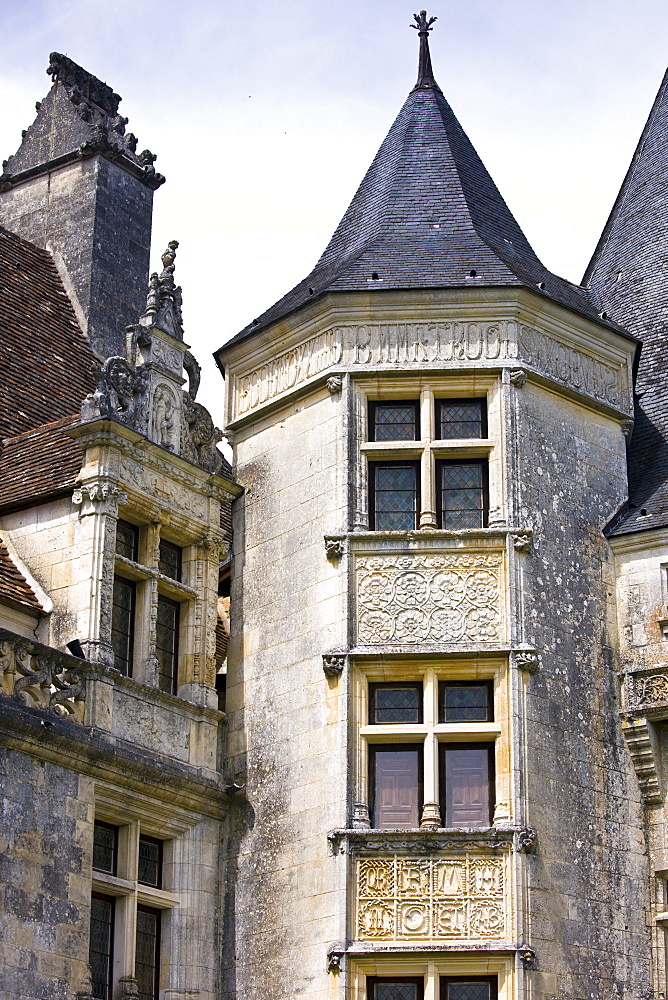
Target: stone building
449,724
114,502
443,770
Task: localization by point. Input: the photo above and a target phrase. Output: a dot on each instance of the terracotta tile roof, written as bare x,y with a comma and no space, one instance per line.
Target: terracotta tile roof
46,363
627,273
39,464
14,588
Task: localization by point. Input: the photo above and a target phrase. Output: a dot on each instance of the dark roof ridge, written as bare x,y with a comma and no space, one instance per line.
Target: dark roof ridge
625,190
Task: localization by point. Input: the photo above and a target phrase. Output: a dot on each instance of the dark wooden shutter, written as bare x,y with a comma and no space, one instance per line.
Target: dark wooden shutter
468,777
396,787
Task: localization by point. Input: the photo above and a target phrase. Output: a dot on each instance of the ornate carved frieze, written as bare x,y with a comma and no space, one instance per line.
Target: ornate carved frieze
420,344
409,598
443,897
41,677
647,690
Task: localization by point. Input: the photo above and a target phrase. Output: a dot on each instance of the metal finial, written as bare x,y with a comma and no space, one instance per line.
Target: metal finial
421,22
423,25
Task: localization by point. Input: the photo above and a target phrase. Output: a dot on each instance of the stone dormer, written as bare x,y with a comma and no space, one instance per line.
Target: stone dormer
78,187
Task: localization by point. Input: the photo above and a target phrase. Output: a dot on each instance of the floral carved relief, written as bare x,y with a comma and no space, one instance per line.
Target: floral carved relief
404,898
414,598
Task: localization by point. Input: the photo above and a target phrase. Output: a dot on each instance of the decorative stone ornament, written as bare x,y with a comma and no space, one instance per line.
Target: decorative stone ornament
361,820
525,840
527,957
526,659
334,384
431,816
334,547
335,958
522,540
333,664
518,377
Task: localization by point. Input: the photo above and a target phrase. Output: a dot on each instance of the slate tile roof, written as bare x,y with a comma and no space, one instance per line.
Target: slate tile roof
41,463
14,588
42,348
628,274
426,215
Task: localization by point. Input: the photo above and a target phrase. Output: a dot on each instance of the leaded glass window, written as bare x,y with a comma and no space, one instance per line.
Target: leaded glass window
105,847
462,494
395,703
169,560
394,421
122,624
149,871
167,644
459,702
394,495
127,540
147,955
100,953
468,988
395,988
461,418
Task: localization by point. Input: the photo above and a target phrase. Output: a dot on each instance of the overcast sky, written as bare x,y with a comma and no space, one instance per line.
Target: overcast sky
265,116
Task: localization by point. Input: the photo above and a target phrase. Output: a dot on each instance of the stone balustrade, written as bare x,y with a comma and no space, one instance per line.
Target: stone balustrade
42,677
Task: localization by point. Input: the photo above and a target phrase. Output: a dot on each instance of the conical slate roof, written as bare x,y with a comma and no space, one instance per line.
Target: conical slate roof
426,215
628,274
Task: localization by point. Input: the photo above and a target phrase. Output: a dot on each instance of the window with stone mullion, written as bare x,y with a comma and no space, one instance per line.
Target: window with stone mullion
100,954
462,489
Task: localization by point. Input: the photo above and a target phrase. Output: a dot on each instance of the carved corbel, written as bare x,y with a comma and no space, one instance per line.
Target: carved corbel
527,957
334,384
333,664
522,540
627,428
526,659
99,497
518,377
335,957
334,547
525,840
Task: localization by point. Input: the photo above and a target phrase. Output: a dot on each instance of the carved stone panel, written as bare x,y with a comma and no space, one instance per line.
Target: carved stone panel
432,899
450,598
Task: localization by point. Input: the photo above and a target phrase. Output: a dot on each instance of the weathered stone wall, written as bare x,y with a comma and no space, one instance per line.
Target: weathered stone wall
45,860
287,720
588,888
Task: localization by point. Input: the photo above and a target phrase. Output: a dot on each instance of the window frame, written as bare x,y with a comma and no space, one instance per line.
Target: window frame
373,467
109,985
174,674
440,401
178,552
386,685
446,980
157,913
128,667
415,746
483,463
372,407
107,826
443,685
160,845
373,981
443,748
